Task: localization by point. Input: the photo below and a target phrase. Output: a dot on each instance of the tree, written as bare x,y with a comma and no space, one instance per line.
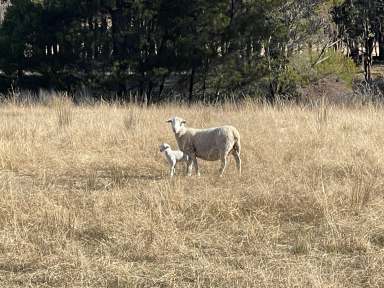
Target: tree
360,27
3,8
18,37
202,50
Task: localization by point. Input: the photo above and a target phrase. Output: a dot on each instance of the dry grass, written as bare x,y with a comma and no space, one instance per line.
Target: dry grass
91,205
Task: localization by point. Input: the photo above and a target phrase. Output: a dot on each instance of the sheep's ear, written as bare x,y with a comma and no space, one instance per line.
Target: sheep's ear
183,122
169,121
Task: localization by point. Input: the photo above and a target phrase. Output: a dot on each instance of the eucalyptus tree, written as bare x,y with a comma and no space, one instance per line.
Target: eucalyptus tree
360,26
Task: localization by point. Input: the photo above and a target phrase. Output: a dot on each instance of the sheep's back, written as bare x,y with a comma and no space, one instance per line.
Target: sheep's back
211,143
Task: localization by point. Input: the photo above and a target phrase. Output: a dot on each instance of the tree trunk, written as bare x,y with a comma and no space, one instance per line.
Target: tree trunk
191,82
310,51
161,87
354,51
272,92
272,86
141,91
206,67
149,92
119,24
369,41
19,77
381,46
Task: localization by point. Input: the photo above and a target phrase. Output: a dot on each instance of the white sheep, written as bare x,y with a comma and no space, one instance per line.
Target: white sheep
210,144
173,156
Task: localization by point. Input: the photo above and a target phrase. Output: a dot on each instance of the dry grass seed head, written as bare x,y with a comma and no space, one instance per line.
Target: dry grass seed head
63,106
132,119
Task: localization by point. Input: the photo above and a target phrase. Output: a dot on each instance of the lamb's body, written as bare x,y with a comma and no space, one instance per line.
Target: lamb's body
210,144
173,156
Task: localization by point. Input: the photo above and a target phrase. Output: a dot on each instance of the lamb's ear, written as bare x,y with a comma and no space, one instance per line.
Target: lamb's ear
183,122
169,121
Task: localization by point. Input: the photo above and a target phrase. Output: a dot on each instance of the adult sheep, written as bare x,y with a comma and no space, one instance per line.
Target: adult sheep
209,144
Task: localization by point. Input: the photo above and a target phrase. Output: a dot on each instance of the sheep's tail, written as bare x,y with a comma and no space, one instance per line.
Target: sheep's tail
237,145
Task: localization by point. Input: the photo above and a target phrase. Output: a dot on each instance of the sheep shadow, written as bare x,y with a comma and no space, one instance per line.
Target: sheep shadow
123,176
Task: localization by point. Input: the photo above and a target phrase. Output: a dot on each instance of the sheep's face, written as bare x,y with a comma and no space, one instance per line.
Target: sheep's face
177,124
164,147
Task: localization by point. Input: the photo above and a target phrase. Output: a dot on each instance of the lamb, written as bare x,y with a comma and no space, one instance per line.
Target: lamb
173,156
210,144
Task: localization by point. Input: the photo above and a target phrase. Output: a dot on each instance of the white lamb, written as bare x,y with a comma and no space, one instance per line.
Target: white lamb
173,156
210,144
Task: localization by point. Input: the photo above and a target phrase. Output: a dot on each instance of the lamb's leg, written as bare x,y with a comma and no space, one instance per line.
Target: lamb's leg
236,154
223,165
172,170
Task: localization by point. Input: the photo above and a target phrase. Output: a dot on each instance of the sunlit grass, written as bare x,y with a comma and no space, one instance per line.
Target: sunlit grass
92,205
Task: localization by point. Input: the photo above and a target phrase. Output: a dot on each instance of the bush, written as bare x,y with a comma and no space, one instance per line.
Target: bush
302,70
336,63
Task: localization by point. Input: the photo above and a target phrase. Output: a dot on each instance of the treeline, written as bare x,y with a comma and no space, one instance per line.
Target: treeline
154,50
360,27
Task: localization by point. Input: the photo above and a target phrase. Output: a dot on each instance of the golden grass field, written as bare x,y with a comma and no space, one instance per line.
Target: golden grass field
86,200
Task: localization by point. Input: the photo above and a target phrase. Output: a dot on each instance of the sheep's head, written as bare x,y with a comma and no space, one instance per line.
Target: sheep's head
164,147
177,124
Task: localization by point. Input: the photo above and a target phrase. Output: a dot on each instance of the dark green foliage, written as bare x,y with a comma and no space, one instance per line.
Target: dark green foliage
189,50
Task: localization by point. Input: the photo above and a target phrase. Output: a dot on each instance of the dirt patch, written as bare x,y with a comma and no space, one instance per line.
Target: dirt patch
332,88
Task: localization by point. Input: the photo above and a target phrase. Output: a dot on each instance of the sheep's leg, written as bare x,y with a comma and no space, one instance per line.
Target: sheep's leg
223,165
189,166
236,154
194,159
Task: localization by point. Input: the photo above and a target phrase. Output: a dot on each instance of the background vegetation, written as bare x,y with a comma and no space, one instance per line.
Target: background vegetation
150,51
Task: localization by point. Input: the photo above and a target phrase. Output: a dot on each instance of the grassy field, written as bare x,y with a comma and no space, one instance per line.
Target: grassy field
86,200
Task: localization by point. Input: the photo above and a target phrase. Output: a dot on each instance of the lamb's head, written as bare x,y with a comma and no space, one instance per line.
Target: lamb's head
164,147
177,124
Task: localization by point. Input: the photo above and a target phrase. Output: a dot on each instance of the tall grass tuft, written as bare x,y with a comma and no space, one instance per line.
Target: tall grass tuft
322,113
63,106
132,119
